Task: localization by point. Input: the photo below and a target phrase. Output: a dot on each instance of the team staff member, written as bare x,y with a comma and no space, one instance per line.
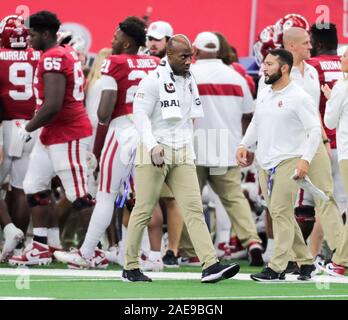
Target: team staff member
227,104
297,41
326,61
336,117
287,131
158,34
165,104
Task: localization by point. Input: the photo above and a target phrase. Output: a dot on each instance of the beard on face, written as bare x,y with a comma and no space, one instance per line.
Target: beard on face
274,77
160,54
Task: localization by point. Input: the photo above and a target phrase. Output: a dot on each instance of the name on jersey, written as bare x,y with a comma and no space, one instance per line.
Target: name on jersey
141,63
19,55
330,65
170,103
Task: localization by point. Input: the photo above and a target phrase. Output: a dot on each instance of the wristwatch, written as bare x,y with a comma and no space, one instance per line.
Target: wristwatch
325,141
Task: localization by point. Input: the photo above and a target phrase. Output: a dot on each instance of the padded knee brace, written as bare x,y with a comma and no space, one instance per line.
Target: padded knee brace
84,202
305,217
42,198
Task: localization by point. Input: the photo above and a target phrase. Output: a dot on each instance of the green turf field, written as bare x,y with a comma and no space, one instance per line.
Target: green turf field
56,282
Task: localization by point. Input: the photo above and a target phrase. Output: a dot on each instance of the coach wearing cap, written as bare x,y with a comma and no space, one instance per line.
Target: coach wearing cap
227,104
158,35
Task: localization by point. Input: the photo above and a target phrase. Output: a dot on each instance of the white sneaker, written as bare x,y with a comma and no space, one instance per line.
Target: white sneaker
151,265
74,259
13,236
115,255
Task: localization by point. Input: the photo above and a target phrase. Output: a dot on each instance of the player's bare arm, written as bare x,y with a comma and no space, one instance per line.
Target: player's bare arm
54,84
106,106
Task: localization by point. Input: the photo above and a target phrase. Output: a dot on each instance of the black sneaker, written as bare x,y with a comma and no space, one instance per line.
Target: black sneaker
307,271
218,272
134,275
255,255
268,274
170,260
292,268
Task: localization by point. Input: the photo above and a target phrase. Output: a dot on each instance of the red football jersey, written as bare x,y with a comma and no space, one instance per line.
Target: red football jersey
127,70
71,122
16,83
329,70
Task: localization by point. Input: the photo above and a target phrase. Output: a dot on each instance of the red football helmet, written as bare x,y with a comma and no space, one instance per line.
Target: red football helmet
264,43
289,21
13,32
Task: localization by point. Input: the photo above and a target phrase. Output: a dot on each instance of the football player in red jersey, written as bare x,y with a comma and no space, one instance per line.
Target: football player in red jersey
65,130
121,74
17,65
327,63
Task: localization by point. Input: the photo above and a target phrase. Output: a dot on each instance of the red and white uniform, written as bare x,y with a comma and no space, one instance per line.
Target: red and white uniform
17,103
71,123
121,73
329,70
61,149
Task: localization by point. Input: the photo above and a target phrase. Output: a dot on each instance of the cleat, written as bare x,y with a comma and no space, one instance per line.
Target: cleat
35,254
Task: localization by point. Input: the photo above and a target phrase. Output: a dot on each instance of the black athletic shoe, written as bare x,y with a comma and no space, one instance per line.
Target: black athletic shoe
292,268
134,275
307,271
268,274
218,272
170,260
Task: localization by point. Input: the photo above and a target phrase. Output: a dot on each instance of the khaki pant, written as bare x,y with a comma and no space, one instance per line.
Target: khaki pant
227,185
341,255
328,211
165,192
179,173
287,234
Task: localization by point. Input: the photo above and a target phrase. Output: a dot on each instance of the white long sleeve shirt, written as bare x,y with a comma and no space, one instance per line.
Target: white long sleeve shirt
148,116
309,81
336,116
225,97
285,125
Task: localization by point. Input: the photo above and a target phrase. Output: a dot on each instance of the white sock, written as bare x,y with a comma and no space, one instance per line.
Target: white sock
101,218
10,227
267,255
124,233
145,243
40,232
155,255
222,236
53,237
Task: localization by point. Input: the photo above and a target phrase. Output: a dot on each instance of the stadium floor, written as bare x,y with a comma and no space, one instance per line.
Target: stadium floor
57,282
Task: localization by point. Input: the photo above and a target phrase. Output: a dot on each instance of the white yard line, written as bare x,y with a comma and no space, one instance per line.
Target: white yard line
116,275
26,298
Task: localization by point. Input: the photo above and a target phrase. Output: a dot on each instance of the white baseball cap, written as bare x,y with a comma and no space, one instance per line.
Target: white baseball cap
207,41
159,30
